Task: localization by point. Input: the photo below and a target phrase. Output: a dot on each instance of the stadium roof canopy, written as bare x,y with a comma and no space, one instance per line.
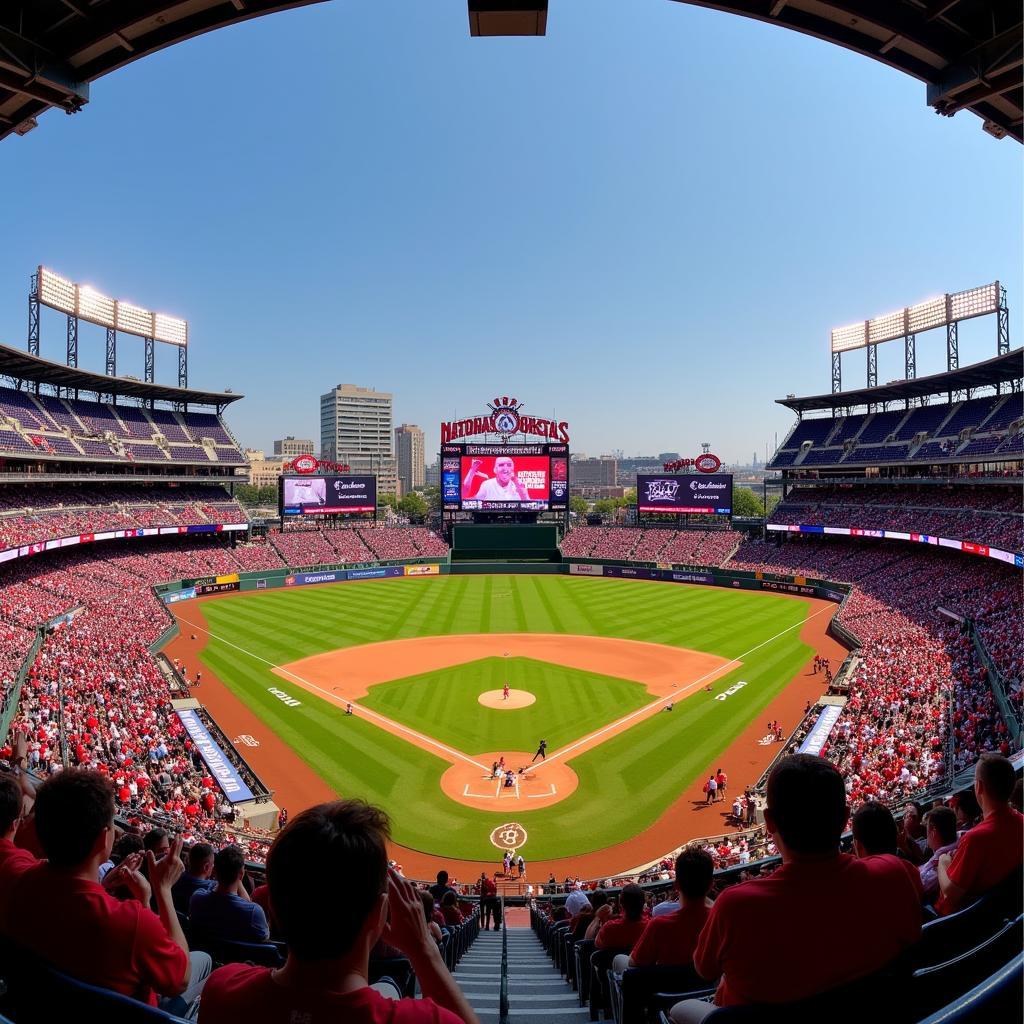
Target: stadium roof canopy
19,365
50,50
968,52
1000,370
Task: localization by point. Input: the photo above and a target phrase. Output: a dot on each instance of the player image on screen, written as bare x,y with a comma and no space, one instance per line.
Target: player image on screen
305,491
505,481
503,486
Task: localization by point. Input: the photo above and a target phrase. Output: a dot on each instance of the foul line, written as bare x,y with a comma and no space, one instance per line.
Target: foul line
428,740
681,693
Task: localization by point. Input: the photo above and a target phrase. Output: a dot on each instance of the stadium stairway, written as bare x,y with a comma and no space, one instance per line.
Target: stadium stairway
537,992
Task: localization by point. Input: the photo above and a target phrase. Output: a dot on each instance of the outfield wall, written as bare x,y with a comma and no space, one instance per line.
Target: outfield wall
273,579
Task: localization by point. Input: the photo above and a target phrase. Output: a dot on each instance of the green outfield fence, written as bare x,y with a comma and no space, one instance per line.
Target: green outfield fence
701,575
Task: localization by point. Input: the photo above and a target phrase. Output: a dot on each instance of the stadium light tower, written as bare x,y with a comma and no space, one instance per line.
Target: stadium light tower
508,17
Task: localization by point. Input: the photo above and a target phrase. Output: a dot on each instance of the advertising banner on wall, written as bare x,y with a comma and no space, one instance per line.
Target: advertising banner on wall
185,594
580,569
304,579
214,758
381,572
422,570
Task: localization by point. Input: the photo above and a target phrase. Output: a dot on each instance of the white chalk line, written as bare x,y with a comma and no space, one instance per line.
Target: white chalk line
392,724
679,693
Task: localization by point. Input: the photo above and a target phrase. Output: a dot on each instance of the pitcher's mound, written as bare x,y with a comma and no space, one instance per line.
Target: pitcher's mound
516,699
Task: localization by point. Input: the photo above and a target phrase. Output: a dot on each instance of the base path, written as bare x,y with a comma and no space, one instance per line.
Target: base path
344,675
296,785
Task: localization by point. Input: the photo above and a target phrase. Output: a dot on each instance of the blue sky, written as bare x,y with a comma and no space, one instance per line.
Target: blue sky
646,222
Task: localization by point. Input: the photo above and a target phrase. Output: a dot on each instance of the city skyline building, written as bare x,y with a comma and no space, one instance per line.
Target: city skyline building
288,447
356,428
409,456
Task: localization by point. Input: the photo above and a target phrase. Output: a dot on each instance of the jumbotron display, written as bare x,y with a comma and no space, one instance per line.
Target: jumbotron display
696,492
327,495
505,477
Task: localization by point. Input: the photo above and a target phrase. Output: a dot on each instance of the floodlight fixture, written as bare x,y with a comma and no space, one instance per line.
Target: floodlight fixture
87,303
923,316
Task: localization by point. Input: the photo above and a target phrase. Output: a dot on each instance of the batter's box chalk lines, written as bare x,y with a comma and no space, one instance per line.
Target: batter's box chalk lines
364,711
534,796
660,701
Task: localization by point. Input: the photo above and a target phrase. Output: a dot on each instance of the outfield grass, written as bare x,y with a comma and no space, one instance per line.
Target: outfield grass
625,783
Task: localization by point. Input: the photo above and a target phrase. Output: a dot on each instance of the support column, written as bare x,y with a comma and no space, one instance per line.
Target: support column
72,341
33,316
1002,323
111,352
952,350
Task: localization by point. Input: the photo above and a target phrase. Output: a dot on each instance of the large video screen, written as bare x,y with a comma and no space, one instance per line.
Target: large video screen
327,495
710,493
505,481
497,478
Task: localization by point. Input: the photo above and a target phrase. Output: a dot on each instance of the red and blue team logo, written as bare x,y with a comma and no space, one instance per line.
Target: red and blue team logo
505,414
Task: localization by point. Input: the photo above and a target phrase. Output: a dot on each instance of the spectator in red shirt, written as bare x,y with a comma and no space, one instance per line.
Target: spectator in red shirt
620,932
333,897
450,908
875,898
991,851
13,859
672,938
120,945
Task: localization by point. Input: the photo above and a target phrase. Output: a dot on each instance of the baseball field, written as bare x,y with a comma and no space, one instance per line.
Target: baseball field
394,691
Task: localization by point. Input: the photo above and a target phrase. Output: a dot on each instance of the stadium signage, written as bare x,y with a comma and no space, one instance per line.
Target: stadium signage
214,758
969,547
706,463
306,464
821,730
506,419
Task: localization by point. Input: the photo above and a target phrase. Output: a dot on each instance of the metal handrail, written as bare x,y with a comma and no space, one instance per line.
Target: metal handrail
503,989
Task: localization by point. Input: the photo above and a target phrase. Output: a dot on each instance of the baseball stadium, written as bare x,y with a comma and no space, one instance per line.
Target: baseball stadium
525,756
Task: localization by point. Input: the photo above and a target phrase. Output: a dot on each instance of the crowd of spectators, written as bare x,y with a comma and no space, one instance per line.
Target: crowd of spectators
626,543
34,512
312,544
920,704
982,514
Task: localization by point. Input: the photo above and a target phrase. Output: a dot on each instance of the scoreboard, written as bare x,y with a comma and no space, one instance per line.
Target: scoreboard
505,477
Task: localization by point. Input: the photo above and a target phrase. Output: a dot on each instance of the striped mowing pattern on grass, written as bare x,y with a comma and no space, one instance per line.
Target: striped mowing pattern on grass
625,784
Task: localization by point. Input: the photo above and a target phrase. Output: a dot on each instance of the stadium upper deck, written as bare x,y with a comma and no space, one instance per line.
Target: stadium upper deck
864,435
126,425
